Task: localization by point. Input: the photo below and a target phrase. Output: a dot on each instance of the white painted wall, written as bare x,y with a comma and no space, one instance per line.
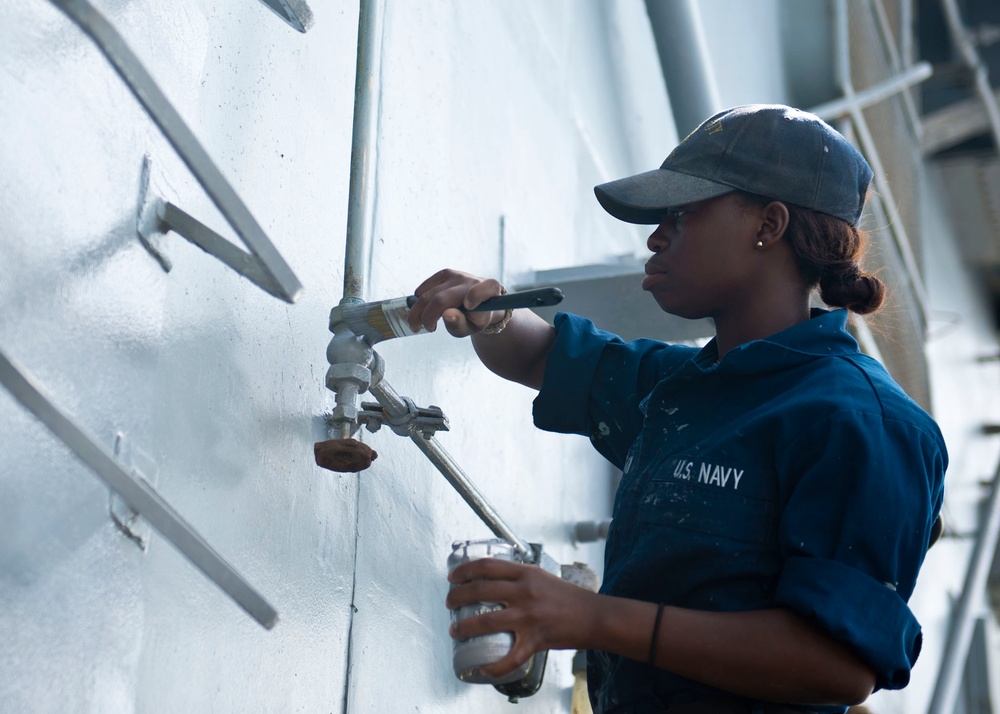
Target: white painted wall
489,109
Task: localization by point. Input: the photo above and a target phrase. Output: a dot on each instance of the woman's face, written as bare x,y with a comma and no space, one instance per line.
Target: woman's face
703,263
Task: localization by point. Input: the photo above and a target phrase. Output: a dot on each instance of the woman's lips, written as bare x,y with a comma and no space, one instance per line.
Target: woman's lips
651,280
654,275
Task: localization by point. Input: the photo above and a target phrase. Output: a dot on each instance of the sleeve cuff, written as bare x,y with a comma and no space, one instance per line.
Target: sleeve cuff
854,608
561,404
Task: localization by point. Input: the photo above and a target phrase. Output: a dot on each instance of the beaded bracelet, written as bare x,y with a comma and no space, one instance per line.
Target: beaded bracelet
497,327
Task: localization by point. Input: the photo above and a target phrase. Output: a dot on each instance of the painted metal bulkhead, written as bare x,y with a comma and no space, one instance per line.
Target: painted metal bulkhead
495,120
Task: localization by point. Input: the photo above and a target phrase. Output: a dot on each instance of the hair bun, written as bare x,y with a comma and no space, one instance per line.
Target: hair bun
858,292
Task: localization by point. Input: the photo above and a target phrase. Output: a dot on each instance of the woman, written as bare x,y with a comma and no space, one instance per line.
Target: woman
779,489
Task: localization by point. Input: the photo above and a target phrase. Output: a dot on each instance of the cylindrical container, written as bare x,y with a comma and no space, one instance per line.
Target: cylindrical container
471,654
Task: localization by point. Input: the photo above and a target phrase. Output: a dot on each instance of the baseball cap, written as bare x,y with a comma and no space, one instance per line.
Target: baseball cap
767,149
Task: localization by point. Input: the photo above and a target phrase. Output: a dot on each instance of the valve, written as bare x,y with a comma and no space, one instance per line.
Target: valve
354,367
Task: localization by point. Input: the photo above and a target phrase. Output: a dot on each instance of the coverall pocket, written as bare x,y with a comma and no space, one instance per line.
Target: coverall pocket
707,509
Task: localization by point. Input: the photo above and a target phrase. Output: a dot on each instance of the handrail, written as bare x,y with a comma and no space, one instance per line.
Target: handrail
137,493
897,84
187,146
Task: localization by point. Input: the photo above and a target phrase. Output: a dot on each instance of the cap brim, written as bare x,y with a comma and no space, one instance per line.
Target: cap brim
645,198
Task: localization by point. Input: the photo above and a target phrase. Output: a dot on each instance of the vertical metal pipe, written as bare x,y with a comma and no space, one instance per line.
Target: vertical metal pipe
956,650
361,201
685,61
357,254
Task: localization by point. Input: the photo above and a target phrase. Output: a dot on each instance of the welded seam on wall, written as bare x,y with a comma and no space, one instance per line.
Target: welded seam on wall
359,245
352,608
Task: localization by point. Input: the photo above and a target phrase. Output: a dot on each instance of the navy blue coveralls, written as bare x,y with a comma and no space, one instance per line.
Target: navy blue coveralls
794,473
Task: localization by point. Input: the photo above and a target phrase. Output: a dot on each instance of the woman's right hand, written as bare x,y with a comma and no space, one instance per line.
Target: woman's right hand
518,352
441,296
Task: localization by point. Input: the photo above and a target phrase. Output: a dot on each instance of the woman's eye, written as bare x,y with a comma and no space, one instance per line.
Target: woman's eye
676,214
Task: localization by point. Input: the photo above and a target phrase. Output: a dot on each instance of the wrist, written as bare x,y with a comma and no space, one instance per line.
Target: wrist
495,328
600,623
624,625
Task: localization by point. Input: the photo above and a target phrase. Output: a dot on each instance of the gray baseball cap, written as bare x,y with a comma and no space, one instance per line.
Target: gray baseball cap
767,149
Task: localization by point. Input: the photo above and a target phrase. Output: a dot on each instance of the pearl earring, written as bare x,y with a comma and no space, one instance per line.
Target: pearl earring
760,244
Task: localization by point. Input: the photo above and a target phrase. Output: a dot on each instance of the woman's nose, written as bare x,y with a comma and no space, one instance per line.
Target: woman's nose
657,240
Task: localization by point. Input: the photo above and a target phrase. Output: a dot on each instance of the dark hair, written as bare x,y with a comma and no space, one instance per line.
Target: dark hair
827,251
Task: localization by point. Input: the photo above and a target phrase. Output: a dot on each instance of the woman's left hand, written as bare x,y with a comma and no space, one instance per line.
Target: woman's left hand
542,610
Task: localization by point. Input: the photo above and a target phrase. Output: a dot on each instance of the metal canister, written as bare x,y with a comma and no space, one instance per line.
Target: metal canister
471,654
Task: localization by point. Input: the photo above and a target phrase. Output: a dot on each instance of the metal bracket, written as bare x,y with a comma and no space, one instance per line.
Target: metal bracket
147,222
265,256
156,217
126,518
138,495
415,420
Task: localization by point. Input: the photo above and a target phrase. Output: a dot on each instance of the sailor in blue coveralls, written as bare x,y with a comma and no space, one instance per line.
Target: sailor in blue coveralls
779,490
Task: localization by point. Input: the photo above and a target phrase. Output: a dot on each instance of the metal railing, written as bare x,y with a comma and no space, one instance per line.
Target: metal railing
137,493
281,280
964,615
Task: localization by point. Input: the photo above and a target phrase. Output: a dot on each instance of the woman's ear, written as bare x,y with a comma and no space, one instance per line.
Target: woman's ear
774,223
